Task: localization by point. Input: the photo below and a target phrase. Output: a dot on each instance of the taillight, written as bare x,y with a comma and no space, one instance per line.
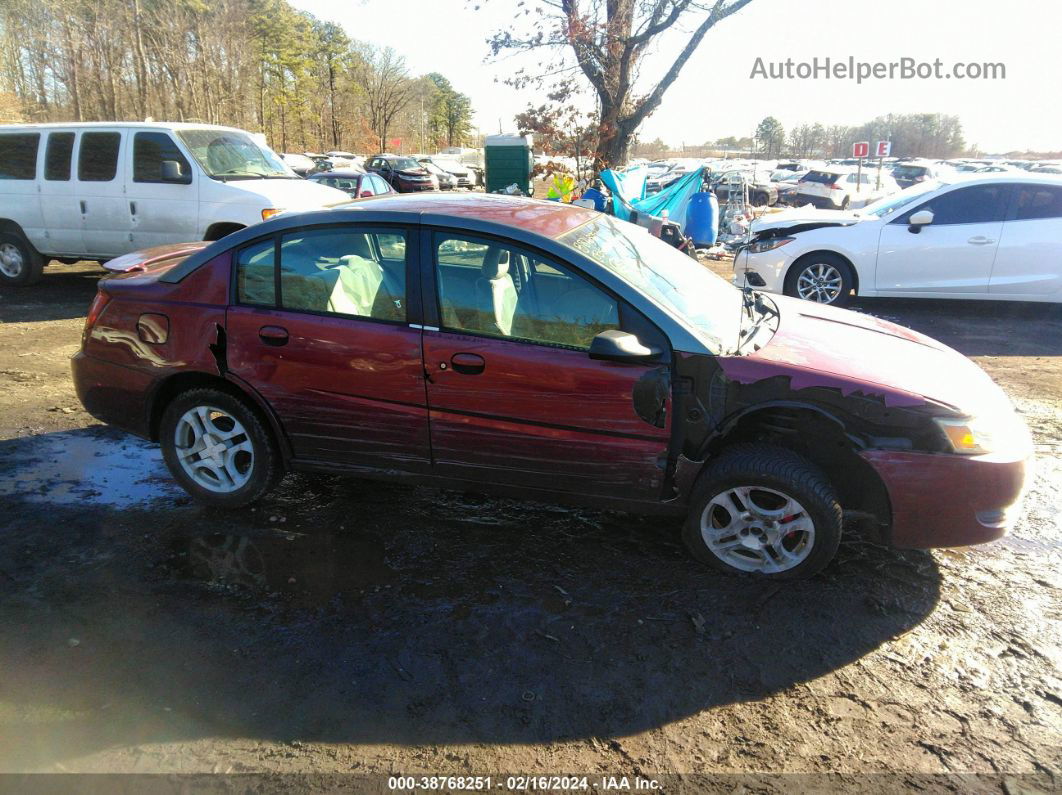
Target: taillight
836,186
95,310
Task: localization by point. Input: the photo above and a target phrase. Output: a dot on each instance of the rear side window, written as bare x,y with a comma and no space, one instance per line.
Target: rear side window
822,177
98,159
340,271
58,155
1038,201
18,155
150,149
255,275
977,204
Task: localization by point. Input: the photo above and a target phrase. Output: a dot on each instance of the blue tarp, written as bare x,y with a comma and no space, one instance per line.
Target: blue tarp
628,194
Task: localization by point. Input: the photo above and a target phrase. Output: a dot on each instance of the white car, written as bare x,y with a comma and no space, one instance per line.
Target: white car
987,236
843,187
465,176
97,190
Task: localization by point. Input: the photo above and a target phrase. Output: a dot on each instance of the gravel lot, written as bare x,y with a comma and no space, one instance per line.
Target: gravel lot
351,627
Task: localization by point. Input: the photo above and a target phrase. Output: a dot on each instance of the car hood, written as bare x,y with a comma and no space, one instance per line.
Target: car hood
291,194
801,216
821,346
414,172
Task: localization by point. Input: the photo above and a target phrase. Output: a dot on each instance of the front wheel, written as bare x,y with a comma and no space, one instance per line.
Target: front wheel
822,277
764,510
218,449
19,264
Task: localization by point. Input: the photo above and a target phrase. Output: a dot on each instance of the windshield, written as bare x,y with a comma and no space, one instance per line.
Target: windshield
670,278
225,154
405,164
890,204
909,172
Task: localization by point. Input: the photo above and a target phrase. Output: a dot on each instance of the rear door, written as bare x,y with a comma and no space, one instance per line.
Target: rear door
514,397
100,192
160,210
318,327
952,255
1029,258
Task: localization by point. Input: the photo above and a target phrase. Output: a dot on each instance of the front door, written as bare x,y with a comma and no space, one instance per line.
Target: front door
319,329
953,254
514,397
162,208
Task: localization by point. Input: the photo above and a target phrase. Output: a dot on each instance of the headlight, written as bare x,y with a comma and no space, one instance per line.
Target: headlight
770,244
980,435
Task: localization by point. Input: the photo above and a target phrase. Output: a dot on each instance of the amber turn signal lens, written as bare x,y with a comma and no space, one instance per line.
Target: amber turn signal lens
269,212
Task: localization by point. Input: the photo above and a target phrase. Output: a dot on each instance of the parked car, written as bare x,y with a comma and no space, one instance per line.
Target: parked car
97,190
841,187
445,180
464,176
786,184
988,236
560,354
356,184
910,172
762,192
303,165
404,174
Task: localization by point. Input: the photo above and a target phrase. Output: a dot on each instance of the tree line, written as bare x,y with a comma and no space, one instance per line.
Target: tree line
912,134
256,64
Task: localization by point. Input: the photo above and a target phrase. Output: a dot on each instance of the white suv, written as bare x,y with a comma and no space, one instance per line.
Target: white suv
841,187
988,236
99,190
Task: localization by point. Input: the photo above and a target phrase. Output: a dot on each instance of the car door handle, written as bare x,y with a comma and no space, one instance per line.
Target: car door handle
980,240
468,363
132,208
83,208
273,335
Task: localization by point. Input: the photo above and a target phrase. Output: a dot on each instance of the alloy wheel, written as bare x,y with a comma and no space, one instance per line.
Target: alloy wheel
11,261
820,282
756,529
214,449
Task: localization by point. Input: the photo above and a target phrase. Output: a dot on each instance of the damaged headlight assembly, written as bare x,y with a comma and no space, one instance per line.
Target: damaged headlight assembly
769,244
985,434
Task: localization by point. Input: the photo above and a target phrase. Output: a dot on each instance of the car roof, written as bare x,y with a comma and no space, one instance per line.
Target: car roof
146,125
339,173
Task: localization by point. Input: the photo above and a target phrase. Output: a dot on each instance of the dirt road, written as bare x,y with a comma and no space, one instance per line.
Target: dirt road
352,627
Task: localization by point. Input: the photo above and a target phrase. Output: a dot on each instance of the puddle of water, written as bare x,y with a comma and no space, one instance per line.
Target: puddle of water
85,467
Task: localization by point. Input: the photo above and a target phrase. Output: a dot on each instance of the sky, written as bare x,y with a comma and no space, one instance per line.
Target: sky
716,94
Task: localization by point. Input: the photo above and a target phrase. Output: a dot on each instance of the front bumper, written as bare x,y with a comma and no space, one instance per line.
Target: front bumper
950,500
766,271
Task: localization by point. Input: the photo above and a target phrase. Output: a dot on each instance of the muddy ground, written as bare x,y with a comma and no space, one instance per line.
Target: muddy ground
352,627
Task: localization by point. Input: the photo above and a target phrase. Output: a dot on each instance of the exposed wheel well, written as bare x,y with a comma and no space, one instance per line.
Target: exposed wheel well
220,230
805,257
182,382
10,227
823,441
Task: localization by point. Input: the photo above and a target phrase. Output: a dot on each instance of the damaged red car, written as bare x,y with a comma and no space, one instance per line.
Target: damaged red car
552,352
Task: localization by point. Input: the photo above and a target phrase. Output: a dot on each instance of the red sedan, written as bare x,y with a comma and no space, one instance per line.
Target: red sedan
552,352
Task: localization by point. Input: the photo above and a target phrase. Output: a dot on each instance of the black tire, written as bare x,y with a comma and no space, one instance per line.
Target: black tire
778,470
813,261
262,472
29,265
845,202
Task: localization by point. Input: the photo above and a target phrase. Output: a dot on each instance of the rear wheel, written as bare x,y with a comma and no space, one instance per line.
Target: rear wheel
19,264
218,449
823,277
764,510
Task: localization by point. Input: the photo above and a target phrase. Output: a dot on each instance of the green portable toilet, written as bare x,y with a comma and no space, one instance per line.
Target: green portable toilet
508,159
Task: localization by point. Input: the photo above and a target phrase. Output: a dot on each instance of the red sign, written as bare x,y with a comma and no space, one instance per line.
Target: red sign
861,149
883,149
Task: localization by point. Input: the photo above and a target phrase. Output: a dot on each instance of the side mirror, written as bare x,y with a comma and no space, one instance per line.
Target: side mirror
171,172
619,346
918,220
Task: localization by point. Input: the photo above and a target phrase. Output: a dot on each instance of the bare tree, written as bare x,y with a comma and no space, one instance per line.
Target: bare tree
388,89
608,39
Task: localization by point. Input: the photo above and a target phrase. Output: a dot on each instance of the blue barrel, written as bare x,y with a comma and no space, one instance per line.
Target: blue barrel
702,219
597,197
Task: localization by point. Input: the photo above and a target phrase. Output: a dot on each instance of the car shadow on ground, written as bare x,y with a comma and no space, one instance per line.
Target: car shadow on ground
349,611
976,328
64,292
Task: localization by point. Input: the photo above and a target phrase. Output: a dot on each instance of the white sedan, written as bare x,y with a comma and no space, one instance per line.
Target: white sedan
989,236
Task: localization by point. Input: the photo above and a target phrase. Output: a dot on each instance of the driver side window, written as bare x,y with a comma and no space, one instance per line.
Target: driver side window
977,204
488,288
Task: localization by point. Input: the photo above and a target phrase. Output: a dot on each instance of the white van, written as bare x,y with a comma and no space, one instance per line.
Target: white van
98,190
